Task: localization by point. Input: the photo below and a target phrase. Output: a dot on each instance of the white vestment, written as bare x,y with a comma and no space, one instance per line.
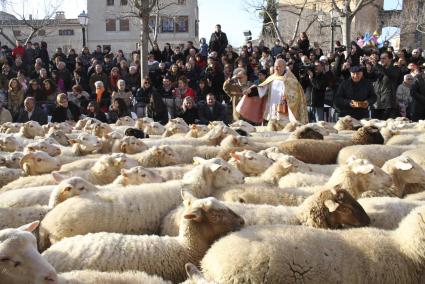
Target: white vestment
275,96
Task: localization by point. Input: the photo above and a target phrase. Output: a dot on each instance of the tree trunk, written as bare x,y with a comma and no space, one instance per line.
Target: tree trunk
346,29
144,38
12,43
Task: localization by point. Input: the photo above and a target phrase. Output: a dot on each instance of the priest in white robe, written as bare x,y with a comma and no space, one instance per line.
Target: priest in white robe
283,85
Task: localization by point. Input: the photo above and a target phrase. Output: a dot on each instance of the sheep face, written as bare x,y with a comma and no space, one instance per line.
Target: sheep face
121,161
404,171
217,134
86,143
139,175
154,128
132,145
20,261
247,127
177,125
2,161
197,131
125,121
249,162
166,156
101,129
142,122
291,126
10,127
275,125
344,210
10,144
13,160
225,174
282,167
31,129
49,148
210,218
8,175
68,188
59,136
38,162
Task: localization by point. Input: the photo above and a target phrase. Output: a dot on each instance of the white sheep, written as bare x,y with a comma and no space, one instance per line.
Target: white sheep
8,175
59,136
129,145
376,154
249,162
26,197
330,208
13,160
173,172
137,175
10,127
347,123
20,261
31,129
44,146
96,277
125,121
408,177
10,144
85,144
14,217
245,126
204,222
125,206
417,155
154,128
39,162
157,156
103,171
292,254
197,131
142,122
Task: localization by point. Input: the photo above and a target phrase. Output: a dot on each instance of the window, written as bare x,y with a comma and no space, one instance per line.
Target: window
167,25
124,2
110,2
41,32
66,32
181,2
17,33
182,24
111,25
124,25
152,23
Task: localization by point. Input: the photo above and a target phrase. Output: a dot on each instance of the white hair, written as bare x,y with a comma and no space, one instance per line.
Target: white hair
98,84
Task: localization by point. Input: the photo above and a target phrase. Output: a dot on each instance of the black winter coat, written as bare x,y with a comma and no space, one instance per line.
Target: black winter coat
347,91
316,90
418,95
60,114
386,83
218,42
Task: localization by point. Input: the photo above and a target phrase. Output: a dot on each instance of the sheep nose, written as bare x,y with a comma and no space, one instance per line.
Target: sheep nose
51,278
242,222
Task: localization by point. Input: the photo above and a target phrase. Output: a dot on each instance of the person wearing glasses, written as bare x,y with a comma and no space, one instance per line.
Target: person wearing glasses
388,77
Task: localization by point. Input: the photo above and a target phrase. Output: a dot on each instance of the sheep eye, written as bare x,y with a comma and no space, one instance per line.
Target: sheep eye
39,160
17,263
83,139
250,158
143,175
81,188
68,188
132,143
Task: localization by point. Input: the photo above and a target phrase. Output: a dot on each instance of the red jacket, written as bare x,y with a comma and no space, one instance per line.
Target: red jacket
18,51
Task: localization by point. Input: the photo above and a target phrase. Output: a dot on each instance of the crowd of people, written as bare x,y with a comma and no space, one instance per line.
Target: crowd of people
212,82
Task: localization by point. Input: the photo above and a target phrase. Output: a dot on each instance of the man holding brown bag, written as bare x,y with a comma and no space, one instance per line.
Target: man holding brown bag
355,95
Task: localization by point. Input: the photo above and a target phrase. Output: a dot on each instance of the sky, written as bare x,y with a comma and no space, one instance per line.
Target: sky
231,14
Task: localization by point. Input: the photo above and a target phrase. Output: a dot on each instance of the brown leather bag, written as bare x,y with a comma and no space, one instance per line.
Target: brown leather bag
251,108
282,107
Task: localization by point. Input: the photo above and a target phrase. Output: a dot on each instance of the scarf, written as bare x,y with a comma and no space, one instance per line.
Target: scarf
99,94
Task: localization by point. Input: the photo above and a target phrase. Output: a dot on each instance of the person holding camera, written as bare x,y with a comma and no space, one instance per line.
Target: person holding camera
355,95
315,92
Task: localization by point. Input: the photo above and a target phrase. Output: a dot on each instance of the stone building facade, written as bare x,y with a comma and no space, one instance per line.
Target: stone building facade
108,25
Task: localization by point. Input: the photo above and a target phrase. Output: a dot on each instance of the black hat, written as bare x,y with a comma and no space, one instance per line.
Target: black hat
355,69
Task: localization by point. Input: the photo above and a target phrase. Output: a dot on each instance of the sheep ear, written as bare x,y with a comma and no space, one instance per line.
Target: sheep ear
198,160
403,166
235,156
192,271
214,167
124,173
194,215
73,141
57,177
30,227
363,169
25,159
331,205
187,197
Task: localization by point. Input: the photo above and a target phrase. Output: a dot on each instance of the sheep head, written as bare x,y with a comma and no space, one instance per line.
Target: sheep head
125,121
68,188
59,136
13,160
358,176
209,218
275,125
101,129
31,129
249,162
132,145
38,162
306,132
20,261
142,122
283,166
85,144
245,126
154,128
403,171
332,209
139,175
197,130
10,144
49,148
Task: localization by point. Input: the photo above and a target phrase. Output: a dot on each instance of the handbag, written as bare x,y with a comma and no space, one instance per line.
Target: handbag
282,107
251,108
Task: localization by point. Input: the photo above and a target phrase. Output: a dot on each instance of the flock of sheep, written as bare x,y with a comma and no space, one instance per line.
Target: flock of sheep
282,203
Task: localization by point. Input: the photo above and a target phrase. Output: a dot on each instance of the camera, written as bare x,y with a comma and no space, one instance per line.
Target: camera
304,68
